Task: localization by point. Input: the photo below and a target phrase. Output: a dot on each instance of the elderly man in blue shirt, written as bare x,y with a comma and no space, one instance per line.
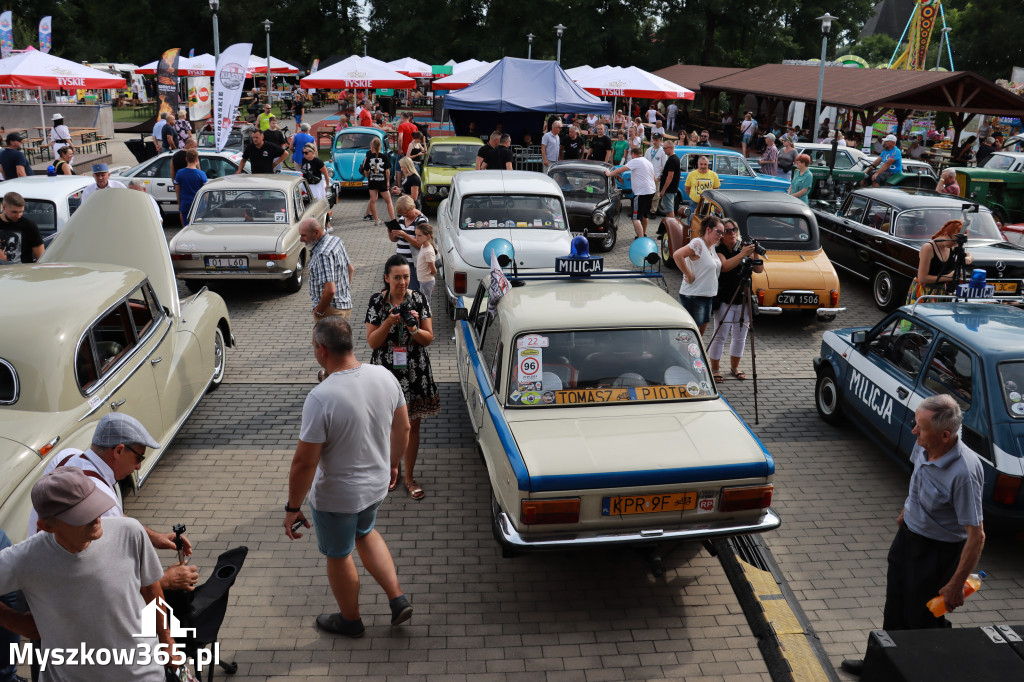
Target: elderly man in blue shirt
940,534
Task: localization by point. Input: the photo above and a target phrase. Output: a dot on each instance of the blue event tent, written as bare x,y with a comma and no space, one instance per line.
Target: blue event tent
517,93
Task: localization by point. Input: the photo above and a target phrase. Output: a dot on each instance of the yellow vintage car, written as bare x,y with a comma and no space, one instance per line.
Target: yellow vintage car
604,428
446,156
247,227
797,273
95,326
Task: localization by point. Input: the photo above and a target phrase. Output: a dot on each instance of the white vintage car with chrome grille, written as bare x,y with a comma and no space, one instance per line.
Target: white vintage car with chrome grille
599,421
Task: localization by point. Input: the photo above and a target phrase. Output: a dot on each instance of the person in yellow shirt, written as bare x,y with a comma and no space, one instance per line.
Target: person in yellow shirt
263,120
701,179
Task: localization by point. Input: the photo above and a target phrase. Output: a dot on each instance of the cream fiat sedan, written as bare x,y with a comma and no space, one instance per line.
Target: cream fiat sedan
96,326
247,227
599,421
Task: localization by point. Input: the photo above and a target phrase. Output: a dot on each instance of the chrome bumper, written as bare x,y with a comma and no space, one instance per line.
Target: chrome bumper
776,310
699,531
825,312
232,274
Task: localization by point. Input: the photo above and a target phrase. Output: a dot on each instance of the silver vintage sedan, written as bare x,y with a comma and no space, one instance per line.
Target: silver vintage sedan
97,326
246,227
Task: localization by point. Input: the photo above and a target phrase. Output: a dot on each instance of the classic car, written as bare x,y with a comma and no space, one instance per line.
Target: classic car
877,377
49,202
155,174
734,171
877,235
446,156
349,150
523,207
797,273
605,429
999,184
239,136
591,199
114,335
246,227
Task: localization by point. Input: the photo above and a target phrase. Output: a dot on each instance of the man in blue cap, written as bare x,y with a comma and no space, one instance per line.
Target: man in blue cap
101,176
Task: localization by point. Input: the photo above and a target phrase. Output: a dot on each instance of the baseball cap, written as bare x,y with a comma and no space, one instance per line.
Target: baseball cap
100,168
889,138
68,495
117,428
15,137
656,135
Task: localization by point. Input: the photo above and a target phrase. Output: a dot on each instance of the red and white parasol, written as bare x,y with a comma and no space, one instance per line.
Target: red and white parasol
463,78
630,81
411,67
357,72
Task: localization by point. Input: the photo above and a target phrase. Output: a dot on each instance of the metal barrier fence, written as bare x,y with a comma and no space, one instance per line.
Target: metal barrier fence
528,158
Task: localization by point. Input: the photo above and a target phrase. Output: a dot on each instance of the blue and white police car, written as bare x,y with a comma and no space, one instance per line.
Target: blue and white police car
971,350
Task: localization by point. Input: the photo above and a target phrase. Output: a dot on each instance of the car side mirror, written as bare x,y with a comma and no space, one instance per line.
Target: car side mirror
859,337
461,314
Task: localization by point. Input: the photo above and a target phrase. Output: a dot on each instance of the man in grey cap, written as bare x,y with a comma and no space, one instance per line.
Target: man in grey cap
101,177
118,448
87,581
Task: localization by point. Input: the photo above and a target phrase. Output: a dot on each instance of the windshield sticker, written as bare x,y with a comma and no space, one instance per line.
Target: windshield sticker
532,341
280,217
548,397
492,223
468,222
531,398
698,365
692,388
705,387
537,222
529,364
1011,385
684,337
694,350
1018,408
515,396
1014,396
548,223
521,223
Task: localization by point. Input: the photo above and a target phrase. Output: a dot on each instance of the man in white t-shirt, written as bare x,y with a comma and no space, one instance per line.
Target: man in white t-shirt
652,114
642,176
355,428
656,155
552,144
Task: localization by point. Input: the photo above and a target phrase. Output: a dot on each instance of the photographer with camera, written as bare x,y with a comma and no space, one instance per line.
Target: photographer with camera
700,266
398,329
731,316
936,268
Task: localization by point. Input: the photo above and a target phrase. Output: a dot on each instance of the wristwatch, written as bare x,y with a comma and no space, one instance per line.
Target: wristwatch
291,510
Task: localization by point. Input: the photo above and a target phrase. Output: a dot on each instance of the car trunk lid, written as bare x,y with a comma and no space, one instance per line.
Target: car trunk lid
792,270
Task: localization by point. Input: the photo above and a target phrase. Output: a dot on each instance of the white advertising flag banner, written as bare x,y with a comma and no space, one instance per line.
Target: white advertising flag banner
498,286
227,89
199,97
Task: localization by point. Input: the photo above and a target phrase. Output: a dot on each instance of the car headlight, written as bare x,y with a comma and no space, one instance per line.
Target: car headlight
444,191
431,189
599,217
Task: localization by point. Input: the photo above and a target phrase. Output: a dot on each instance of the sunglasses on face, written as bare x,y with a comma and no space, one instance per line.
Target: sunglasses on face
730,230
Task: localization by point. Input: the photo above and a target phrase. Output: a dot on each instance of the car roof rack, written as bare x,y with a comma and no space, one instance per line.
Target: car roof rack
952,298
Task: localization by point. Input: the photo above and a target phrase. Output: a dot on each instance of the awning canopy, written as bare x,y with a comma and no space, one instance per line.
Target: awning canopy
631,81
201,65
259,65
35,69
357,72
413,68
526,85
465,78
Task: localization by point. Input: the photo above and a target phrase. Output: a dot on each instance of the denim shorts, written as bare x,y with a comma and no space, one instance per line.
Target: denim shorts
336,533
699,308
747,137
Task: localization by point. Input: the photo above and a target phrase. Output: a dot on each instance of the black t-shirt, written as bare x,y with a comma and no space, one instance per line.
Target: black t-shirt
262,159
728,281
299,106
599,147
500,156
671,166
10,159
313,170
17,240
375,167
274,137
170,138
486,152
410,181
178,161
572,149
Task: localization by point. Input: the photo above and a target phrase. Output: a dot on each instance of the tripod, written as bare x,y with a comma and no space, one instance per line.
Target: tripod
959,257
746,304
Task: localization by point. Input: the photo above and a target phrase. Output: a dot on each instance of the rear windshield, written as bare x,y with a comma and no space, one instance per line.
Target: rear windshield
776,228
42,213
922,223
355,141
1011,383
582,183
241,206
608,366
453,155
482,211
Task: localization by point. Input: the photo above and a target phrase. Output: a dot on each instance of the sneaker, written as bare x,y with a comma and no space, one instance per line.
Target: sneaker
333,623
401,610
367,217
854,666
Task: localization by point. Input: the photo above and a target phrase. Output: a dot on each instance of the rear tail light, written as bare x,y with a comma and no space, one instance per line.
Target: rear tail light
539,512
760,296
271,256
1007,489
460,282
833,297
181,256
746,498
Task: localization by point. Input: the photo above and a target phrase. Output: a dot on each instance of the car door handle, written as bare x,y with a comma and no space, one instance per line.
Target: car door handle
902,392
156,361
878,241
118,404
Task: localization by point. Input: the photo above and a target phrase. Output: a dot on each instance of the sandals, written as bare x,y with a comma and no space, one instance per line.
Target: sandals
738,373
415,491
717,376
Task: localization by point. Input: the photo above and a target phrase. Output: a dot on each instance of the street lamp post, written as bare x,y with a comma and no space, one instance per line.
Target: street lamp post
943,39
559,30
214,6
529,45
364,45
826,25
266,26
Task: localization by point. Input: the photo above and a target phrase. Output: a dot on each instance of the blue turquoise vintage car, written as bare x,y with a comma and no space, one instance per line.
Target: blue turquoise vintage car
733,170
973,351
348,151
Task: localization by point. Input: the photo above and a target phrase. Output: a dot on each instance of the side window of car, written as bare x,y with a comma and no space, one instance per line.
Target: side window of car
216,167
855,209
74,201
950,371
161,168
110,339
878,216
144,309
691,162
489,351
725,165
843,160
902,343
297,201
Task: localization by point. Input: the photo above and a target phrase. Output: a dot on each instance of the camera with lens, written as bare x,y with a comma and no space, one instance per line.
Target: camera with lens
405,312
758,249
960,239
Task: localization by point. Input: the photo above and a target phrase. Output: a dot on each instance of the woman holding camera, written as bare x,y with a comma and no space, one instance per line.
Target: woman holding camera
398,329
936,263
732,320
700,265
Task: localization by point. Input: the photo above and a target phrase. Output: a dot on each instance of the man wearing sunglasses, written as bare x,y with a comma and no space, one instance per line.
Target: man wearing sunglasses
118,448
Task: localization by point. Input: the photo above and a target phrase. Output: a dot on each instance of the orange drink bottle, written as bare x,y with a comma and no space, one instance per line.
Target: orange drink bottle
937,605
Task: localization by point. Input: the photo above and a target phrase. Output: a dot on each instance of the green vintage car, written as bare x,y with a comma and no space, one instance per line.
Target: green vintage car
999,184
446,156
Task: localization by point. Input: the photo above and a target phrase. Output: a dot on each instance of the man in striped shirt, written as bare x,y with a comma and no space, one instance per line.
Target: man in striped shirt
330,272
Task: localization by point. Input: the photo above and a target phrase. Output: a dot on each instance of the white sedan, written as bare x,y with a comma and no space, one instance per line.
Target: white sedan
525,208
155,174
49,202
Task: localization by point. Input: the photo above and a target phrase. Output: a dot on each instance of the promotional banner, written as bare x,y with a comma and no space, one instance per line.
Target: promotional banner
192,53
167,82
6,34
227,89
200,99
312,70
45,35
